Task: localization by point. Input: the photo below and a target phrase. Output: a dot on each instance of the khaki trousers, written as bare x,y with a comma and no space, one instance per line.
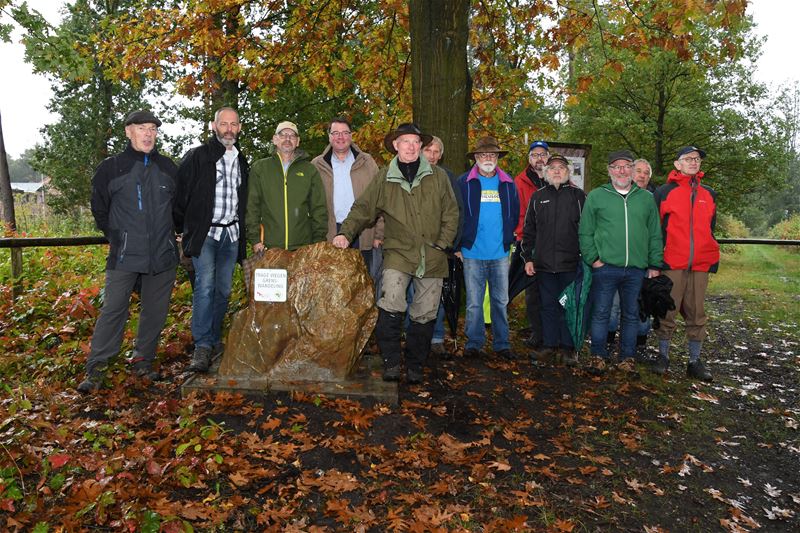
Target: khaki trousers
427,292
688,293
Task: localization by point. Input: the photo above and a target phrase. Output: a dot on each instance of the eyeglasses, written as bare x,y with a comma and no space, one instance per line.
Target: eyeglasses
542,155
340,133
290,135
141,128
617,168
691,159
486,156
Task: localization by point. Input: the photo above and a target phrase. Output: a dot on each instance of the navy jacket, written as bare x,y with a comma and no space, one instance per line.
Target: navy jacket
132,198
470,188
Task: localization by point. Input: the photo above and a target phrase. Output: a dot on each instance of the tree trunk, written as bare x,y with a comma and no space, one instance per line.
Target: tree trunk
7,214
440,82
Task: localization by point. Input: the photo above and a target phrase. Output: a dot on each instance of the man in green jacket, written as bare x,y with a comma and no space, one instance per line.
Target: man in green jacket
420,216
285,198
620,237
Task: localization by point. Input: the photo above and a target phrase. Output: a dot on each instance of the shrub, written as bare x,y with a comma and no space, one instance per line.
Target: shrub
730,227
788,229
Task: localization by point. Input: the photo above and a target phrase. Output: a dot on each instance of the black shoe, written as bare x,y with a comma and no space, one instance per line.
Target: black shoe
699,371
92,383
570,357
144,370
533,342
201,359
217,350
413,377
660,367
391,373
472,353
506,354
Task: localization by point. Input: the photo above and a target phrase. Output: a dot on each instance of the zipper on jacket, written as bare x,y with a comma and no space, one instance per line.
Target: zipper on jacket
139,194
693,183
285,203
627,244
124,246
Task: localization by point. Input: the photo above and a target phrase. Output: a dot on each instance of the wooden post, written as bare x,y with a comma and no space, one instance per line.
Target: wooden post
7,214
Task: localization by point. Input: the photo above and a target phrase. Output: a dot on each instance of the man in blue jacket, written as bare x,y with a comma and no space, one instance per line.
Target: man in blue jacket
132,197
491,213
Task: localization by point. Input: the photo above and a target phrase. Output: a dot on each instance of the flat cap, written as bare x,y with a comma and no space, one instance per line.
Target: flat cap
620,154
142,116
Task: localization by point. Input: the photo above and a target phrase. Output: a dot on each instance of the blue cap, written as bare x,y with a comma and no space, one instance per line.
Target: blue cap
689,149
538,144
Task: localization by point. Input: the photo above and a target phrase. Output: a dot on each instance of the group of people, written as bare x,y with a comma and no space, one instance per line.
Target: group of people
419,215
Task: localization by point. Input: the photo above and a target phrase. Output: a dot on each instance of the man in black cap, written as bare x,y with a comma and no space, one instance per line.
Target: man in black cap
420,221
620,237
132,197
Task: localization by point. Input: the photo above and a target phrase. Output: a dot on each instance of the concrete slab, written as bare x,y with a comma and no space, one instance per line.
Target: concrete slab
365,382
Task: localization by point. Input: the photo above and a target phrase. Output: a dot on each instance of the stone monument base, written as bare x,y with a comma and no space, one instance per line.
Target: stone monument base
363,382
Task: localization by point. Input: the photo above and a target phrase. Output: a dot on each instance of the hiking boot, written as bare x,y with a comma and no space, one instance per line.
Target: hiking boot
473,353
201,359
506,354
660,367
92,383
438,349
627,365
597,365
392,373
144,369
413,377
570,357
217,350
544,356
699,371
533,342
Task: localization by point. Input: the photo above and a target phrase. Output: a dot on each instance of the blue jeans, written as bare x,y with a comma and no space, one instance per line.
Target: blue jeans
477,272
213,278
555,333
438,328
606,281
613,321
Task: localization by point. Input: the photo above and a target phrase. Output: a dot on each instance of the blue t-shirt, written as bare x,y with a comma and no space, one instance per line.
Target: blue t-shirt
488,243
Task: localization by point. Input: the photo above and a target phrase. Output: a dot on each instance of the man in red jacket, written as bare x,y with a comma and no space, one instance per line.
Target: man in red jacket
688,213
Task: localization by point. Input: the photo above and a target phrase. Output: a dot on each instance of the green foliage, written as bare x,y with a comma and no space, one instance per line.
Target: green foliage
787,230
730,227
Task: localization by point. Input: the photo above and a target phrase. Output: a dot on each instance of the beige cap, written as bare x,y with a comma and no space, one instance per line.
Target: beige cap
286,125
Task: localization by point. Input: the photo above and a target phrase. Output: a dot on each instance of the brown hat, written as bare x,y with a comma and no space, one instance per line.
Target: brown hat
406,128
558,157
487,145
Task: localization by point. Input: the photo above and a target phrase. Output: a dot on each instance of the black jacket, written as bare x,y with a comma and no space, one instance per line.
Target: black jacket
132,198
550,232
194,205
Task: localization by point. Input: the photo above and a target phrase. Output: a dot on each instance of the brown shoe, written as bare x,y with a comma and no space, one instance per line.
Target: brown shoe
570,357
597,365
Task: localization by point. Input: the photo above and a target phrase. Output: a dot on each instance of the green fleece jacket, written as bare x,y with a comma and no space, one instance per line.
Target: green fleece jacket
420,218
289,206
621,230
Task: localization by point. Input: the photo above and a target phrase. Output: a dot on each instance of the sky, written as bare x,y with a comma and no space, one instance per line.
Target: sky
24,95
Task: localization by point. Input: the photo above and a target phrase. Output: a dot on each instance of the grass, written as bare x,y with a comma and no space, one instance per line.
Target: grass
766,277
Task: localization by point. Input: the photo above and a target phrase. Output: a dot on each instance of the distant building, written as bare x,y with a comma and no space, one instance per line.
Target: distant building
30,192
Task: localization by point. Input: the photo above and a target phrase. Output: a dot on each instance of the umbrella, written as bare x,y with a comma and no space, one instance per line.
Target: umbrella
451,292
573,300
518,280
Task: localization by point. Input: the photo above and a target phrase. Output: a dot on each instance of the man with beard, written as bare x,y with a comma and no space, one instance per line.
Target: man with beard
285,197
420,221
132,198
620,237
212,184
528,182
491,213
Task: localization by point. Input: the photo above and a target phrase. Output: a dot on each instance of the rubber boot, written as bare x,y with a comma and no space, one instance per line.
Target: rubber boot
418,344
387,334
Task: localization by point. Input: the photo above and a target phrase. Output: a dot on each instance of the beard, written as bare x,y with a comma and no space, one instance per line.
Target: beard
228,140
622,183
487,167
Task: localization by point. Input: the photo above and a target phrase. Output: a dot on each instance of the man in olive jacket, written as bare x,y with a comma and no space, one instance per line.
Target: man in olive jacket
420,216
285,197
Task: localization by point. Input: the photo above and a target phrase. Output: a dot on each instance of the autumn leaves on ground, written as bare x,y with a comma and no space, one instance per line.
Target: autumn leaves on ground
479,446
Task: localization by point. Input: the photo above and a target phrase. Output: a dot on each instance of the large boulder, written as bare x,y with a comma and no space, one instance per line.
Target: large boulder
318,333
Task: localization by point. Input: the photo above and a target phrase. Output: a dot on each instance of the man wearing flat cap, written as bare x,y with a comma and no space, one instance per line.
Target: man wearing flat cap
491,213
132,200
551,251
620,238
285,197
688,211
420,217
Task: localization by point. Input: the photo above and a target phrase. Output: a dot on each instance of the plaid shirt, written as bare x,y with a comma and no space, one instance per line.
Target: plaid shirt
226,200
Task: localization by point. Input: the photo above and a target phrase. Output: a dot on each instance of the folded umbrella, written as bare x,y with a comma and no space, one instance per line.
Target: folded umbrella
573,299
518,280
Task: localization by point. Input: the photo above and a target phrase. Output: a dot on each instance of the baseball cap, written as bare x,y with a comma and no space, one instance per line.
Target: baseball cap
538,144
286,125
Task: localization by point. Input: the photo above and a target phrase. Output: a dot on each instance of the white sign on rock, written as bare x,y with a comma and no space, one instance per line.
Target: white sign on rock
270,284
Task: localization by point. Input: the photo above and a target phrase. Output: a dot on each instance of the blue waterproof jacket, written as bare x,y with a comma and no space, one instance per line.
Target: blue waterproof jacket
469,186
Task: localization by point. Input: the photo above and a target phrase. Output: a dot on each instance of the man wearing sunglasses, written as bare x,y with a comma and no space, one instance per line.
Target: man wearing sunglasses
688,212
